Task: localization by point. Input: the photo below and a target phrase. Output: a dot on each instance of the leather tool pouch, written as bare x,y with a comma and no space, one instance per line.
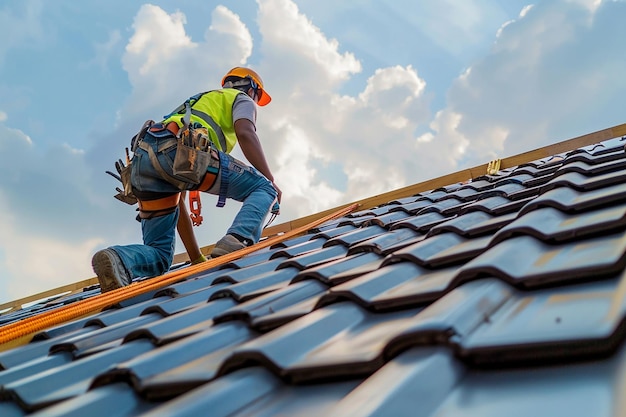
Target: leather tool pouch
194,156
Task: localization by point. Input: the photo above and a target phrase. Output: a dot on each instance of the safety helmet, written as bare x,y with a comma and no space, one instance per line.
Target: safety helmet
257,83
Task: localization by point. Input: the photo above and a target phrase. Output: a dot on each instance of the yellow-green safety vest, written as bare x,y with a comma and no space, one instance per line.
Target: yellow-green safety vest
213,110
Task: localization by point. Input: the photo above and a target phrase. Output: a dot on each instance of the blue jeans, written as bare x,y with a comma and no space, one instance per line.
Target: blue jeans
245,184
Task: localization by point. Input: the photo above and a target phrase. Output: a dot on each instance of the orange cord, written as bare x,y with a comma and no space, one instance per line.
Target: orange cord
95,304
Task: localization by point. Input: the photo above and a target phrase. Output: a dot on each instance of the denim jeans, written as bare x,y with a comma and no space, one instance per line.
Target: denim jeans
245,184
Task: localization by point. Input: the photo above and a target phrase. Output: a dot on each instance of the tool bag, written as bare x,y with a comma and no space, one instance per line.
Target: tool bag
194,155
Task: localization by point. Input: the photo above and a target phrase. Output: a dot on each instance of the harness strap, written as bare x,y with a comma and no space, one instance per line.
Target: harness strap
209,120
159,203
157,165
207,182
172,127
221,200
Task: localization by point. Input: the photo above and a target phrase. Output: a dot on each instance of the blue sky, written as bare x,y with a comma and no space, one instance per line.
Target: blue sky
368,96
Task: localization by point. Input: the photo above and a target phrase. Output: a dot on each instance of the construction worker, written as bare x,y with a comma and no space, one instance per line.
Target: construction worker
227,116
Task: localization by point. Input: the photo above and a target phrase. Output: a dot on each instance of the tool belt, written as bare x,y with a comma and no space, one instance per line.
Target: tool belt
196,163
196,166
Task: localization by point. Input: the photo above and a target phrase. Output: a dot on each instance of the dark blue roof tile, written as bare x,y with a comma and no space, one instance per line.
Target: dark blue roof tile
260,284
356,236
529,262
393,286
337,231
441,205
387,220
412,208
555,324
571,201
473,223
340,340
249,272
34,350
193,320
592,170
552,225
582,182
144,370
31,368
299,249
191,284
101,339
274,303
215,347
376,211
292,242
252,259
387,243
421,223
439,250
504,190
405,200
68,380
463,194
185,302
310,260
497,205
113,400
593,158
326,271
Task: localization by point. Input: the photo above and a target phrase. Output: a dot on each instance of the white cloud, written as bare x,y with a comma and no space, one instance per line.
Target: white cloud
300,55
225,28
310,126
165,66
544,81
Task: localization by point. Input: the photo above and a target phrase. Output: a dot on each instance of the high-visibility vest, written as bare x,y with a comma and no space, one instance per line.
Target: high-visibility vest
214,111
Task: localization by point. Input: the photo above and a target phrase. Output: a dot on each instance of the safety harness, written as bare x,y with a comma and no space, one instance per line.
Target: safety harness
196,165
174,136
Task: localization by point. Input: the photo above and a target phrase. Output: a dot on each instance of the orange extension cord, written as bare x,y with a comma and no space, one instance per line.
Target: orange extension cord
95,304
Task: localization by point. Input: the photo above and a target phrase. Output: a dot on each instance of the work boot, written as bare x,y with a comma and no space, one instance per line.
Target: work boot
227,244
110,270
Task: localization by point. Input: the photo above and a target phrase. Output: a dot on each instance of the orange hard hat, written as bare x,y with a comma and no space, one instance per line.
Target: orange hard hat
242,72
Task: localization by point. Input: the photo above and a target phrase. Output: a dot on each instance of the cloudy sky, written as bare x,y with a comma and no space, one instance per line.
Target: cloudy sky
368,96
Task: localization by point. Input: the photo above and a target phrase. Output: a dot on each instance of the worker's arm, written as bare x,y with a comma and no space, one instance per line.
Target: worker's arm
252,149
185,231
